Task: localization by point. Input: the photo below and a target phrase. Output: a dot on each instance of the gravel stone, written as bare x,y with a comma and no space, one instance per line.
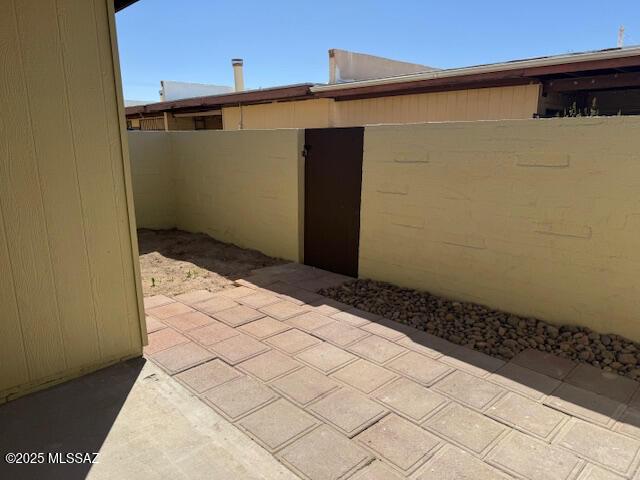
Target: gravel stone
500,334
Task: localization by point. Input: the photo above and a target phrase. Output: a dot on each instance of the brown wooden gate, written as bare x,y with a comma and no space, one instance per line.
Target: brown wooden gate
332,182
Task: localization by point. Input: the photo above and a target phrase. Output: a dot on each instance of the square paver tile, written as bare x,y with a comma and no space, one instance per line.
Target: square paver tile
601,446
163,339
356,317
259,299
629,423
417,367
524,381
153,324
181,357
328,306
325,281
277,424
586,405
411,399
403,444
545,363
208,375
427,344
385,328
324,454
635,400
348,411
364,375
301,297
469,390
471,361
528,416
269,366
326,357
608,384
305,385
188,321
239,348
526,457
156,301
284,310
239,397
235,292
215,304
377,349
169,310
340,334
238,315
213,333
453,463
292,341
309,321
265,327
194,296
466,428
376,471
591,472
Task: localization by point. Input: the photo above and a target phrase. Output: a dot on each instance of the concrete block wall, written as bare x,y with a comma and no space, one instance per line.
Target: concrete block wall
153,176
535,217
243,187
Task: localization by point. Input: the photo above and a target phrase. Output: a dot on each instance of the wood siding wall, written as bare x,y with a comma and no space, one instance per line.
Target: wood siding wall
68,283
297,114
499,103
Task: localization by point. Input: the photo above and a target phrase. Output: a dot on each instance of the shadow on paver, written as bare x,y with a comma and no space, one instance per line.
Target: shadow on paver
576,389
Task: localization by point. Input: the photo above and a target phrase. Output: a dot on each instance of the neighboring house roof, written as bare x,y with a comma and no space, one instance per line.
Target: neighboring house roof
512,72
287,92
622,65
174,90
346,66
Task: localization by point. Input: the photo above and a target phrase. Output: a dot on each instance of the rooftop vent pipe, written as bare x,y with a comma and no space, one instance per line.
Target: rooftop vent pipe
238,76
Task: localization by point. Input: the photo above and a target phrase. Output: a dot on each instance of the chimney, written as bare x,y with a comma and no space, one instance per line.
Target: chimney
238,76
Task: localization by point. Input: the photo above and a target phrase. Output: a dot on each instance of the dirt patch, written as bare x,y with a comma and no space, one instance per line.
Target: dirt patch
174,262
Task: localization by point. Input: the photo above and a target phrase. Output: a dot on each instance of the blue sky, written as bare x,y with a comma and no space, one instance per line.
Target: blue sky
284,42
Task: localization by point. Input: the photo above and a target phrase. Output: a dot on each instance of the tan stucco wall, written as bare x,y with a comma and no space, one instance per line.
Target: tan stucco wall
240,187
536,217
152,171
68,285
516,102
296,114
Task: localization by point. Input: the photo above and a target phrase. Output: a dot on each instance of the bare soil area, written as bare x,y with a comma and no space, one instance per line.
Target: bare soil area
174,262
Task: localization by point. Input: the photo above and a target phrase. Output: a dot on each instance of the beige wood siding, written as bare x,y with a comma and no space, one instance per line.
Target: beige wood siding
499,103
297,114
68,284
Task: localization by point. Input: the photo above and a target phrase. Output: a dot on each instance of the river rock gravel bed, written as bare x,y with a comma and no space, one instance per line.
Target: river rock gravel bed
495,333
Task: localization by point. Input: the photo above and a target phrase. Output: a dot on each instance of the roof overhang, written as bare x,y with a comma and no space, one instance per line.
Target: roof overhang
122,4
514,72
248,97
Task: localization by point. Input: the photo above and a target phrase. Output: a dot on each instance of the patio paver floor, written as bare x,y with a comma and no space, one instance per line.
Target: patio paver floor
333,392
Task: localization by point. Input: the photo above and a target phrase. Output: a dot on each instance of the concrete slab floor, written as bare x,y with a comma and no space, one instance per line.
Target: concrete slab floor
143,423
